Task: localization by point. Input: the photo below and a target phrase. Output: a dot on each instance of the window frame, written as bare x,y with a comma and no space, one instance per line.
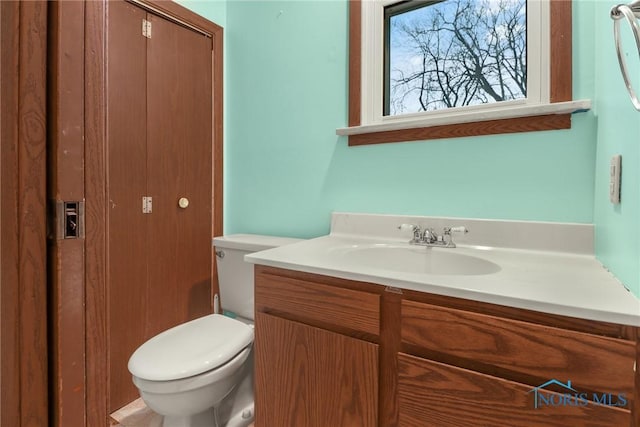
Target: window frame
548,117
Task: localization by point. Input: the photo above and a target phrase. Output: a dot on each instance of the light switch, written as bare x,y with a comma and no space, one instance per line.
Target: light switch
614,179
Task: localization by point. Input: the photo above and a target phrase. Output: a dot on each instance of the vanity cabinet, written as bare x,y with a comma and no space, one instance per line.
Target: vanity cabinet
334,352
464,368
316,354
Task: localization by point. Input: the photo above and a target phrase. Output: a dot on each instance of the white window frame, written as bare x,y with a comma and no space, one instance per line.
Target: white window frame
538,79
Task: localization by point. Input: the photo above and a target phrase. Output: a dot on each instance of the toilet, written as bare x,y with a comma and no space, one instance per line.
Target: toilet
200,373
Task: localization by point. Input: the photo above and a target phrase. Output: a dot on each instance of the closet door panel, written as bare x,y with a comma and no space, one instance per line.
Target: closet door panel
179,117
127,183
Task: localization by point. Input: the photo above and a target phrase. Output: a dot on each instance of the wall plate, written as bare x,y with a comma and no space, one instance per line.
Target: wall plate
614,179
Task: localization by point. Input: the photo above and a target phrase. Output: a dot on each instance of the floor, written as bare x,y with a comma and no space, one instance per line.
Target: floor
136,414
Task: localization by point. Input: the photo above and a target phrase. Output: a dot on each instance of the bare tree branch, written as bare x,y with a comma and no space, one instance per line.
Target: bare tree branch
465,52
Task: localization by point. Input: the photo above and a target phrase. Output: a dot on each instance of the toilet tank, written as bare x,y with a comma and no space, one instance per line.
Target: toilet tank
235,276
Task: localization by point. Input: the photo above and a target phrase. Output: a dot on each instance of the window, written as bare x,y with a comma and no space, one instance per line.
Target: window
449,54
425,69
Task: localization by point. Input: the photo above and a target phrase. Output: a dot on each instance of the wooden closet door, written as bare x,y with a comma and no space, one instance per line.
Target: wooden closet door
179,129
159,145
127,286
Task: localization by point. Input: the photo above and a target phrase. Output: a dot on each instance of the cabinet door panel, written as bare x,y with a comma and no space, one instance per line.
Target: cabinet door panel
309,377
592,362
435,394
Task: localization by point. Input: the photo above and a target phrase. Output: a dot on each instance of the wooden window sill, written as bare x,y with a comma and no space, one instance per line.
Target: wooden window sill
519,119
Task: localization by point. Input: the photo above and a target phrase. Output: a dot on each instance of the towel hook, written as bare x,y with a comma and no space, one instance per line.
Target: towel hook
619,12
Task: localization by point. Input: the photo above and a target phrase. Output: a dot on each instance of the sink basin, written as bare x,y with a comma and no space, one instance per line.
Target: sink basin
416,259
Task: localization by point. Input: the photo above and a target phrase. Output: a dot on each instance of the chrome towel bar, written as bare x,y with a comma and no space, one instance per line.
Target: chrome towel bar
630,11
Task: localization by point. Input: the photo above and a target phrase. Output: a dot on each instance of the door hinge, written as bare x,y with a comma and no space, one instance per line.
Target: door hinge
146,28
147,204
69,220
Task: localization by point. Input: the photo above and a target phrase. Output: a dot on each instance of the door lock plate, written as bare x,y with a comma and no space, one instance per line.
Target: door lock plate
69,219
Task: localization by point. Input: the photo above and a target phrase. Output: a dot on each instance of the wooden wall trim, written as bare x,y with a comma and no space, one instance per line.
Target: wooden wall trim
355,61
635,409
9,235
95,216
218,143
66,182
560,88
32,211
175,10
23,290
561,46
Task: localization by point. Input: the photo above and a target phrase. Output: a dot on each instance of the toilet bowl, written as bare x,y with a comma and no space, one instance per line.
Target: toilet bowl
185,372
200,373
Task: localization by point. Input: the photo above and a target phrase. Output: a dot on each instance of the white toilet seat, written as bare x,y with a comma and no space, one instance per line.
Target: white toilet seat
190,349
194,382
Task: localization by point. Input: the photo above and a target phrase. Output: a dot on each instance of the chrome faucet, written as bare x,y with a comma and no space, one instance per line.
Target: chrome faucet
428,237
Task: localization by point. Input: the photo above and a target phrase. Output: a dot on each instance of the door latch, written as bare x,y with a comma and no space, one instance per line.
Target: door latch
69,220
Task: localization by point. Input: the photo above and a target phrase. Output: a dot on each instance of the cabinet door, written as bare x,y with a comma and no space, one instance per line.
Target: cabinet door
310,377
435,394
521,349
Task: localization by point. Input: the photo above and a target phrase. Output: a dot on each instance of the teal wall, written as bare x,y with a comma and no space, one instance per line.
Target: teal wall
617,227
287,94
286,170
213,10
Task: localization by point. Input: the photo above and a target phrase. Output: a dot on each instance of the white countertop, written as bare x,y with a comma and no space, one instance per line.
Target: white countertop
553,282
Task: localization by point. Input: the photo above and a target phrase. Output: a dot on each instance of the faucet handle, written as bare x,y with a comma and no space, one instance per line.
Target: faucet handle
448,231
415,229
459,229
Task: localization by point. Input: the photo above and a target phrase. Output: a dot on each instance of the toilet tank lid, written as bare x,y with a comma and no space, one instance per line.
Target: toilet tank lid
191,348
251,242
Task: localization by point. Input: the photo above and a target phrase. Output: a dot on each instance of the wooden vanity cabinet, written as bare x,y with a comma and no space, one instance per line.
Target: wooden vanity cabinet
333,352
316,353
467,368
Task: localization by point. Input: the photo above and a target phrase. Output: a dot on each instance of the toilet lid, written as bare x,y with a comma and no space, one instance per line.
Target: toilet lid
190,348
